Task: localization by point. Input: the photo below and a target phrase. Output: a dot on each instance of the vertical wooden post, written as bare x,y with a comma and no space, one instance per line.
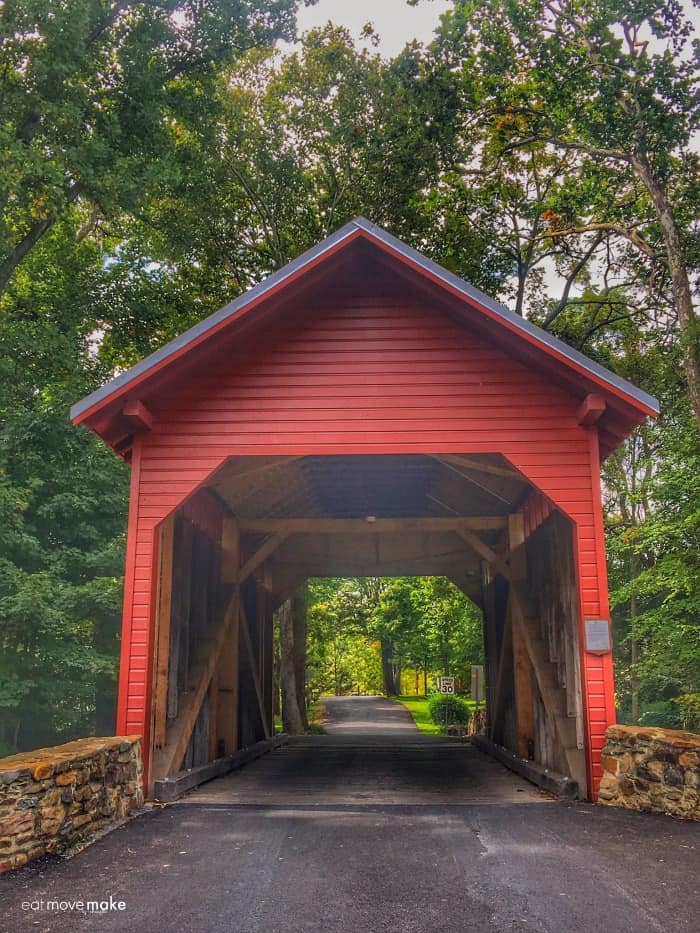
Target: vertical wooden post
164,600
226,693
522,668
269,649
212,751
228,669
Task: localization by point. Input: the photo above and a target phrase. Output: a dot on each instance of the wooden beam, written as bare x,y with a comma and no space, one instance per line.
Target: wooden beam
291,526
397,568
483,550
230,551
242,467
164,603
213,714
227,692
591,409
260,556
522,668
252,661
180,730
268,677
139,417
504,656
471,464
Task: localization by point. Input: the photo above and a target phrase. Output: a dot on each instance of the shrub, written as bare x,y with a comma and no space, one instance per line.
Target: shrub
663,713
449,710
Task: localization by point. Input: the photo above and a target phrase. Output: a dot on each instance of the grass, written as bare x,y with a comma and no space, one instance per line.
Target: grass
418,708
317,716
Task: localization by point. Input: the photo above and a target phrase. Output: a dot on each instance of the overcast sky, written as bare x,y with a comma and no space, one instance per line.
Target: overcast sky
395,21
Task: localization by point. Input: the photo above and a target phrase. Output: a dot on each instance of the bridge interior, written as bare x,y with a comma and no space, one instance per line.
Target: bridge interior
232,555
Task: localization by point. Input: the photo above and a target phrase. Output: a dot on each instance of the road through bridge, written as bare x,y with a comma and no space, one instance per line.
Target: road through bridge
373,827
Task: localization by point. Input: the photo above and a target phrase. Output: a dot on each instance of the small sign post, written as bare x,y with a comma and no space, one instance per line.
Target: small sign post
478,683
446,684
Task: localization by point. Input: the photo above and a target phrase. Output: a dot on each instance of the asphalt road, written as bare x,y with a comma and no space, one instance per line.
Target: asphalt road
370,831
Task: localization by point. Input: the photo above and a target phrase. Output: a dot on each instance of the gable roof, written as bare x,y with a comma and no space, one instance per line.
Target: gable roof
599,376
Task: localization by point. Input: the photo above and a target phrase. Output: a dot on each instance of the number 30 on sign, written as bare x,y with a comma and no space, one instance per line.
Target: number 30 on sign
446,684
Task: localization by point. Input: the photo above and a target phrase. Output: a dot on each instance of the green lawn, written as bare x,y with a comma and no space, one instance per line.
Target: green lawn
418,708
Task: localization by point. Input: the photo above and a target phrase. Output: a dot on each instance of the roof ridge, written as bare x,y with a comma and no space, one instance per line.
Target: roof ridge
331,244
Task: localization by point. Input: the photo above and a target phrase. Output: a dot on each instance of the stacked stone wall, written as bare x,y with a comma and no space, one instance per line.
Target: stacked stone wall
645,768
53,798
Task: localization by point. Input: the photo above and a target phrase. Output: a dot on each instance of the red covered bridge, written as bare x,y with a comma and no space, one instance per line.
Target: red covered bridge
364,412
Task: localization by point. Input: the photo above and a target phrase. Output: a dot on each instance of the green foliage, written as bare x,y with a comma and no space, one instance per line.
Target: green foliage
689,706
449,710
355,624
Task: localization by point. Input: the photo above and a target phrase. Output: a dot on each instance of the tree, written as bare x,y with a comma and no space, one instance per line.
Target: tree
362,632
615,83
89,91
292,712
62,508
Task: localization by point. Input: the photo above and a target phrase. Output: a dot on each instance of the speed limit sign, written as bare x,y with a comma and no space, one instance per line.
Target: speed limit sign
446,684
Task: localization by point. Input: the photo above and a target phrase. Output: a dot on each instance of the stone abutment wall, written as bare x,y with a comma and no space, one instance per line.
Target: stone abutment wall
645,768
52,798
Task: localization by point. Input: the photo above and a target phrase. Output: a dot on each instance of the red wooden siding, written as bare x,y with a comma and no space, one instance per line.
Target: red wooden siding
391,377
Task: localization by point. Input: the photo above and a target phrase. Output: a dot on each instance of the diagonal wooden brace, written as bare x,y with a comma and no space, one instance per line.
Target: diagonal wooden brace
178,733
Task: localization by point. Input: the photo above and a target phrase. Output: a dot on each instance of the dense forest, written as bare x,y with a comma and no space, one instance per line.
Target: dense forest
374,636
159,157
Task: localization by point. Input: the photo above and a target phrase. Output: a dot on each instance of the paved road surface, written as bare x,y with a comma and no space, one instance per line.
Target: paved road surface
381,831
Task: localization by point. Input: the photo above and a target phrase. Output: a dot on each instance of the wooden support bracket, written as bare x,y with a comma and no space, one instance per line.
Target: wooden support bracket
260,556
482,549
138,416
591,409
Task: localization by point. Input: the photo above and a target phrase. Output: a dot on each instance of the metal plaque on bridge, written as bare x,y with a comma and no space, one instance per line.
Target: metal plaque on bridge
598,636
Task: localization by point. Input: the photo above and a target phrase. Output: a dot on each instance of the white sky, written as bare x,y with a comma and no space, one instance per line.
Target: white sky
395,21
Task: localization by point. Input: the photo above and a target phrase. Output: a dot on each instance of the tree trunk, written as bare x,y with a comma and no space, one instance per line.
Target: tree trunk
388,672
298,611
292,721
680,283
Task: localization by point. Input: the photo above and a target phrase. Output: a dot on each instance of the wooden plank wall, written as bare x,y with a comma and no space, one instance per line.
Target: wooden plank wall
554,593
197,609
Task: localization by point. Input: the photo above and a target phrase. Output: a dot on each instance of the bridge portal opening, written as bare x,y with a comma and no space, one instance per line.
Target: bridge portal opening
235,552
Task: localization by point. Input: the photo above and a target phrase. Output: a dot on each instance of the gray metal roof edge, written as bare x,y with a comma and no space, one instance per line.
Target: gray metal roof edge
542,336
213,320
